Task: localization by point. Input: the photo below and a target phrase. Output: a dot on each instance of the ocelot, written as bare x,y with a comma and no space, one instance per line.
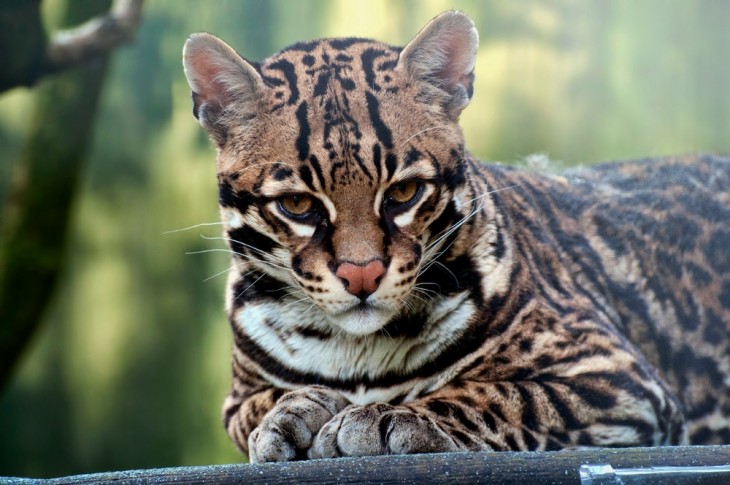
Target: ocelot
391,294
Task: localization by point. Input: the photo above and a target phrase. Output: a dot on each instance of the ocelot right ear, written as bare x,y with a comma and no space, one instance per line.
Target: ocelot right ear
441,58
223,83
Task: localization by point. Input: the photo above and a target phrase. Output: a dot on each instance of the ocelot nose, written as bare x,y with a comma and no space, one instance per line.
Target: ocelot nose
361,280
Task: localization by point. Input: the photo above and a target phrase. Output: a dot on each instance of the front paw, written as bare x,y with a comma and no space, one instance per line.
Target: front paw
379,429
287,431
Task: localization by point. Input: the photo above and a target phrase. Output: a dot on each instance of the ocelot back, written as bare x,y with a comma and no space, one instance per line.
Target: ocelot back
391,294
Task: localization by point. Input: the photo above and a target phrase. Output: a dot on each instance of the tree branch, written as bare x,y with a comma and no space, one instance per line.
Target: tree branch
95,37
28,55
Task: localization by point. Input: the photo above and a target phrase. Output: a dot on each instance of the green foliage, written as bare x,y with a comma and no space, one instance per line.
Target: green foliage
132,363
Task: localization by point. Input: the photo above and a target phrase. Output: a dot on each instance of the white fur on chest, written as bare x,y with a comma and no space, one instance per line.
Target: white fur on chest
345,358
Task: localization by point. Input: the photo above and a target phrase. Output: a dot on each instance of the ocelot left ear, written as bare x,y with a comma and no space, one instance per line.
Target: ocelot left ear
223,83
442,57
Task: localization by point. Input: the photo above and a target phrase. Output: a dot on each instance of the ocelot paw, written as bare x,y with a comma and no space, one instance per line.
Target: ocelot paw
287,431
379,429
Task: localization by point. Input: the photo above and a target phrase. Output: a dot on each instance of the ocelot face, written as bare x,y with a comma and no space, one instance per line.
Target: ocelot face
336,159
340,210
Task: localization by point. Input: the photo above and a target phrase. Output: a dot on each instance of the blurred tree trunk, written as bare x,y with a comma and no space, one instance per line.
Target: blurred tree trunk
22,43
34,222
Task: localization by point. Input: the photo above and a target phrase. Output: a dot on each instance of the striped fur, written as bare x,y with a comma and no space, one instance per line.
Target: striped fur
518,310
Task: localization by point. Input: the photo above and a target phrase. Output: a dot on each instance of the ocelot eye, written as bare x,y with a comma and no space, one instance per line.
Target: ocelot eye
297,206
404,193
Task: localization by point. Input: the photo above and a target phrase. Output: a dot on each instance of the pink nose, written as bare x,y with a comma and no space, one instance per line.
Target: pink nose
361,280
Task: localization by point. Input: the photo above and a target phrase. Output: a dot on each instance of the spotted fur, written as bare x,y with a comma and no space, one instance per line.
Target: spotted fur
515,310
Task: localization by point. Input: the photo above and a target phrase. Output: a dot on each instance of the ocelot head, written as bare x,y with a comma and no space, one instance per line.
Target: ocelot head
337,160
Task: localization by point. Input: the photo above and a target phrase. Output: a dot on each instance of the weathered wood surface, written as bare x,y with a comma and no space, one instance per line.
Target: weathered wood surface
560,467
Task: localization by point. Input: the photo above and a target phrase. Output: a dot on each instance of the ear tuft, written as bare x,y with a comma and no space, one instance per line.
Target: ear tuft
223,83
442,58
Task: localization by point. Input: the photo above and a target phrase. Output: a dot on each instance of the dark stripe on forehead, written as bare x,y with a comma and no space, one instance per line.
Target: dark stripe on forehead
387,65
282,171
305,173
361,164
390,164
272,82
287,68
377,158
304,132
320,89
303,46
317,170
342,44
435,162
411,157
381,129
368,59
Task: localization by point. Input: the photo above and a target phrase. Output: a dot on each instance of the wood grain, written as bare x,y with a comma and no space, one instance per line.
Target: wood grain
559,467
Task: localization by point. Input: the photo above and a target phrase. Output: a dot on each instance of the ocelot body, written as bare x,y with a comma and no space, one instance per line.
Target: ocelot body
391,294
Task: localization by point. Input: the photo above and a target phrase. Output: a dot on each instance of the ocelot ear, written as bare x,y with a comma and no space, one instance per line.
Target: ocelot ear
442,57
224,84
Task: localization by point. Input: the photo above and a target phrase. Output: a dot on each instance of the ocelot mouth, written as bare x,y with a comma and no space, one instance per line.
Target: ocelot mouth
363,306
361,319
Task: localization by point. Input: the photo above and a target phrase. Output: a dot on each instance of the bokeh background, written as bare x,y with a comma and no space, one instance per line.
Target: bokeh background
131,363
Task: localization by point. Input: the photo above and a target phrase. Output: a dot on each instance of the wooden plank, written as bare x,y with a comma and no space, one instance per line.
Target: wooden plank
559,467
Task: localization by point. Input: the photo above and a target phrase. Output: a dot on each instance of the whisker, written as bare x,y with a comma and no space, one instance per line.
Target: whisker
247,257
419,298
309,309
456,226
295,301
249,287
439,127
282,265
218,274
494,191
252,248
464,219
296,288
431,295
448,271
419,287
202,224
431,248
214,250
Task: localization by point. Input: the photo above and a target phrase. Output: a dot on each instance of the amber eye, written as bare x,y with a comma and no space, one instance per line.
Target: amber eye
297,205
404,192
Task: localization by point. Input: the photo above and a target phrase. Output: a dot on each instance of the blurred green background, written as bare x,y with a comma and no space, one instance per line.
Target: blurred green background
132,362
